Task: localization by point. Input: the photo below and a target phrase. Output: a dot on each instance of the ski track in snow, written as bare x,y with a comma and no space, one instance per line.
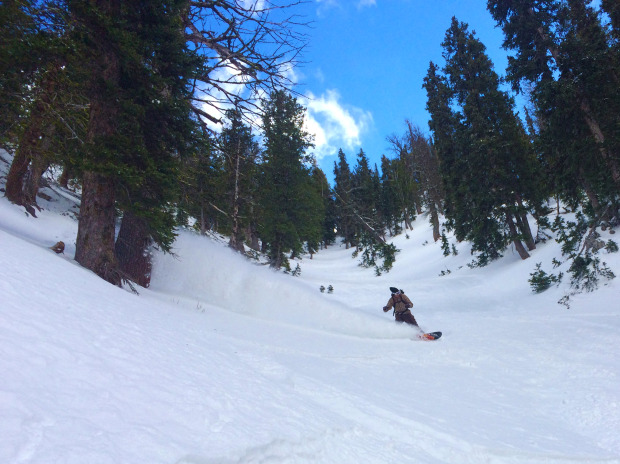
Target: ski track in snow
226,362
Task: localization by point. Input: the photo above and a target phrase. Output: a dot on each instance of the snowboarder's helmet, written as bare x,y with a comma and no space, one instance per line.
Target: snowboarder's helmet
393,290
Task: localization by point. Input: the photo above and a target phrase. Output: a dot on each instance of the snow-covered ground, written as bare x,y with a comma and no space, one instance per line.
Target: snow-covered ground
225,361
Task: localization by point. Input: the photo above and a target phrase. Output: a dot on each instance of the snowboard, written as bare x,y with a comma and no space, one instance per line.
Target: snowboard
430,336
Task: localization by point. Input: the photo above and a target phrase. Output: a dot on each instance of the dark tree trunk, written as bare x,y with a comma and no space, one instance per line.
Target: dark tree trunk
14,188
38,165
30,161
515,238
524,226
610,158
252,233
434,220
590,193
65,176
95,239
132,249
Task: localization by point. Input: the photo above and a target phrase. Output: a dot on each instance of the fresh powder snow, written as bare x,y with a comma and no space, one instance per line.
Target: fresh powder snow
223,360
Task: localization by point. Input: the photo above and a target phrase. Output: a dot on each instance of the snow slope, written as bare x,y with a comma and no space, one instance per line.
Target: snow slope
226,361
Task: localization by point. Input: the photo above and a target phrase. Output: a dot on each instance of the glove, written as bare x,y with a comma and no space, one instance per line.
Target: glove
386,309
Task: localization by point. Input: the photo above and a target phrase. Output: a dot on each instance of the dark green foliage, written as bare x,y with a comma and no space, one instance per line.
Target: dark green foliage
540,281
289,206
586,271
390,205
239,158
322,206
344,200
30,41
200,186
582,247
569,61
379,255
487,164
146,103
297,271
570,233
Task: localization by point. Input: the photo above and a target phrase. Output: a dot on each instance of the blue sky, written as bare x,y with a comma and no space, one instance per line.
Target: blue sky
366,61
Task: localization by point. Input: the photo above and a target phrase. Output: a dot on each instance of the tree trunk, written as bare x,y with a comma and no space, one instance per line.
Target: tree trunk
590,193
65,176
514,236
595,129
524,225
95,239
236,238
434,220
38,165
132,249
14,188
254,239
591,121
21,188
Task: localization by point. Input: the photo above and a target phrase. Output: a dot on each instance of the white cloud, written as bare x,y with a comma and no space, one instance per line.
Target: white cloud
335,125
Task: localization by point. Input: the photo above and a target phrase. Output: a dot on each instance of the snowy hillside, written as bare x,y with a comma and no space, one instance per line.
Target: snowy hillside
225,361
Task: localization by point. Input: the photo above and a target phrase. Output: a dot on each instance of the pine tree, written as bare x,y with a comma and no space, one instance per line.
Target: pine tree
41,96
328,229
201,185
139,123
240,154
364,196
285,177
445,124
390,206
424,160
562,50
313,218
343,192
491,164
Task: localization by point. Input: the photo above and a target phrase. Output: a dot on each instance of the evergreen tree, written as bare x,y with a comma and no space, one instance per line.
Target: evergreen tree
139,122
285,178
390,206
364,196
314,214
41,96
201,185
421,161
491,164
343,192
445,124
563,51
240,156
320,183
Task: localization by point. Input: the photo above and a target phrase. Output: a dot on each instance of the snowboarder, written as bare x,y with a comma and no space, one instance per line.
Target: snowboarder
401,304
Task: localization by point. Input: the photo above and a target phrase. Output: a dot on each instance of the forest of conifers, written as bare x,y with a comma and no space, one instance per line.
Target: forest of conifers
181,113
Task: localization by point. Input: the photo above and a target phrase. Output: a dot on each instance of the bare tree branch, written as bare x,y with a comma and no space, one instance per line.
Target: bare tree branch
248,47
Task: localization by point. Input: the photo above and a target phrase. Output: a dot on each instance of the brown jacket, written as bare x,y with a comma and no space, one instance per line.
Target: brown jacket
400,302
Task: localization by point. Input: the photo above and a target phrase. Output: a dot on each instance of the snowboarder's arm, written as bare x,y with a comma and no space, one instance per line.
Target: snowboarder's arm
407,301
389,305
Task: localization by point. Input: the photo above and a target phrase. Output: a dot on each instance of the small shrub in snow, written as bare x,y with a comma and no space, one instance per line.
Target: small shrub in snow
297,271
611,247
586,270
540,281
